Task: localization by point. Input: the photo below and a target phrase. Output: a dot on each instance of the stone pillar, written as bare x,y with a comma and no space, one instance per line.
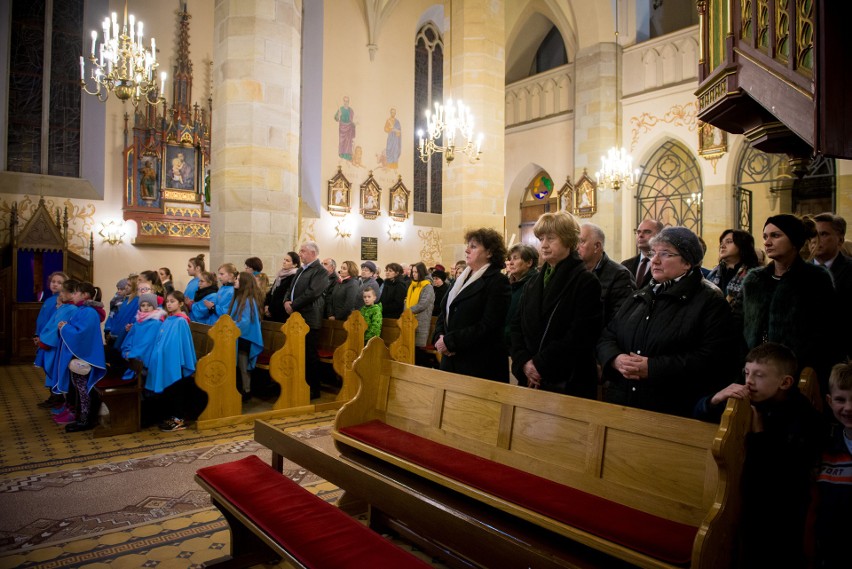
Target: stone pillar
255,131
473,193
596,111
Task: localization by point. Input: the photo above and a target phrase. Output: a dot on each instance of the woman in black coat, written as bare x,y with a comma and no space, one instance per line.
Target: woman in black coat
394,290
560,315
674,341
273,306
345,294
469,330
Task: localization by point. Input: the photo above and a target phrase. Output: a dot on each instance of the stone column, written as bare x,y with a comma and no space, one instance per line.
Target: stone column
473,193
255,131
596,111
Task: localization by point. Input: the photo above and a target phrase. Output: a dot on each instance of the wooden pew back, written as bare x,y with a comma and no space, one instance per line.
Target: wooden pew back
398,335
287,364
215,372
332,334
676,468
346,353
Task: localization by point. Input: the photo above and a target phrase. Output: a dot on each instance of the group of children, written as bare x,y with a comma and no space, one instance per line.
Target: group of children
790,441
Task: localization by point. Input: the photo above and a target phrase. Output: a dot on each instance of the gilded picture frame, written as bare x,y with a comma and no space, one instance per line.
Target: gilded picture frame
712,141
585,196
398,197
371,198
339,194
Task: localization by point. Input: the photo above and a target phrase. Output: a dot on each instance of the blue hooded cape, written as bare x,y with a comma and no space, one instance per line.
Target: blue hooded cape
248,322
223,300
139,343
173,355
81,339
191,288
46,359
203,315
126,315
47,310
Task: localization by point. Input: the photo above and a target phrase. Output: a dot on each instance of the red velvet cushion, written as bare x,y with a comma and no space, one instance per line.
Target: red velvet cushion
325,353
315,532
263,359
654,536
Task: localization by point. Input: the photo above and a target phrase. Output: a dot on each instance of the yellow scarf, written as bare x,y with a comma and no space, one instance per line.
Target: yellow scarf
414,289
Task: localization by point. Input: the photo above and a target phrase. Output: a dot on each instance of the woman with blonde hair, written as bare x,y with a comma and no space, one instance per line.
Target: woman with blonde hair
560,315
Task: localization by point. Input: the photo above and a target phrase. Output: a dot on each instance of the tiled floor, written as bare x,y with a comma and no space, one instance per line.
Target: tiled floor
37,456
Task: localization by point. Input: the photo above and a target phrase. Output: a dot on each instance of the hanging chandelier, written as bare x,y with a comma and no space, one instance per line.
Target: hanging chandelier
122,65
453,125
617,166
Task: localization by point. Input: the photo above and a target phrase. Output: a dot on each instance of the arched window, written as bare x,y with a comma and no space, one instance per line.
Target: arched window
428,90
670,188
539,198
551,53
43,128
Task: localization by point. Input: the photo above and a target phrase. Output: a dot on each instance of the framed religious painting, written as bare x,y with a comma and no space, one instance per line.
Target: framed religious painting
371,198
398,206
179,168
585,196
566,196
339,194
712,141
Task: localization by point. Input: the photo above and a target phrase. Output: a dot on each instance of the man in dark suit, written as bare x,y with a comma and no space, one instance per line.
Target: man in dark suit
831,232
640,265
617,283
305,297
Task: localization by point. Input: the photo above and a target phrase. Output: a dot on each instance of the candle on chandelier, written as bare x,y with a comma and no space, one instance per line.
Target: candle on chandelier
132,27
94,41
82,69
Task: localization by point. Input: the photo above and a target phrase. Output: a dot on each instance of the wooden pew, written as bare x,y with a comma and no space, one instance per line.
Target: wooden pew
678,477
123,398
273,340
216,372
346,353
332,334
398,335
287,364
266,513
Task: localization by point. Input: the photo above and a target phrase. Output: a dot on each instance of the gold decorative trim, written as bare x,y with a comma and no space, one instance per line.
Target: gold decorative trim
678,115
179,196
430,253
178,229
175,211
81,220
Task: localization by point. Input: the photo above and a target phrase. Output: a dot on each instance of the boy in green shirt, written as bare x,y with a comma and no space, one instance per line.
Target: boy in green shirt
372,313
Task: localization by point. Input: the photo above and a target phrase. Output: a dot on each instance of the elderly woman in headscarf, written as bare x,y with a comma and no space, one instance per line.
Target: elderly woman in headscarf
560,315
674,340
469,330
791,302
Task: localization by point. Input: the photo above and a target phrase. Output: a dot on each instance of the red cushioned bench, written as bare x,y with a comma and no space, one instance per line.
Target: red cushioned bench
270,515
650,489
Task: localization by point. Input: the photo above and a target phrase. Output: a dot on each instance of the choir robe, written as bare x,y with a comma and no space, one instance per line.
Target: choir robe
46,358
248,321
47,310
81,339
223,300
191,288
203,315
173,355
139,343
126,315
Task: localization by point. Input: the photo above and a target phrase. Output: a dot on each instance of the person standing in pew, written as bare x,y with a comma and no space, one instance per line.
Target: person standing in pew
206,291
305,297
273,306
559,317
781,455
419,299
393,293
372,313
343,298
469,330
245,312
673,341
227,274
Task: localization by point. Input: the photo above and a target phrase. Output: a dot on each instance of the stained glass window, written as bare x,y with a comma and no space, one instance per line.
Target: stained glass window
428,89
670,188
29,69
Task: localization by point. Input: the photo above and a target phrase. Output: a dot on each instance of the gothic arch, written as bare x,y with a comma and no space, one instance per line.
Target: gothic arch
670,187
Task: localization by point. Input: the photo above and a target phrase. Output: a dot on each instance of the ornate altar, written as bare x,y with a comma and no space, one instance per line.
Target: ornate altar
33,253
167,162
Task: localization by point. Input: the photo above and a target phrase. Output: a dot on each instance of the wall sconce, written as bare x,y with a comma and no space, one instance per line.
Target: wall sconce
342,228
112,232
394,231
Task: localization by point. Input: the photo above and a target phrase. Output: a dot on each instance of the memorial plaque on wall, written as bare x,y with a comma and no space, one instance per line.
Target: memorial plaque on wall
369,248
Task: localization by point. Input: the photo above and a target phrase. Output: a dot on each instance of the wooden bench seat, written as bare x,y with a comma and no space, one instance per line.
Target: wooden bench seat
123,399
650,489
270,514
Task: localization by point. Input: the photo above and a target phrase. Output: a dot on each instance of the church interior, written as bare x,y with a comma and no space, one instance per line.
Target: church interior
284,121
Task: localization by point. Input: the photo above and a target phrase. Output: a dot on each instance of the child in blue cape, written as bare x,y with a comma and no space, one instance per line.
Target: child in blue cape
51,301
81,357
122,291
120,325
172,362
206,291
143,334
227,276
194,268
49,343
245,312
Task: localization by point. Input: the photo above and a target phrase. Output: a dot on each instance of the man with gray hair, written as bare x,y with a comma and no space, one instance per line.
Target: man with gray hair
305,297
617,283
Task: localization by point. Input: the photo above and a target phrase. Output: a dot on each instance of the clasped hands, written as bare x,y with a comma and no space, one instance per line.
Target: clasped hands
441,347
631,366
